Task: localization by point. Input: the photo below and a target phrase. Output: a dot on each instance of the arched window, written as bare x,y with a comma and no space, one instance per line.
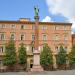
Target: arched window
1,49
2,36
22,37
12,36
65,48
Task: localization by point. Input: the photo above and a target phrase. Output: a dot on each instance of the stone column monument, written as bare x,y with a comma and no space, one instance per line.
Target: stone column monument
36,54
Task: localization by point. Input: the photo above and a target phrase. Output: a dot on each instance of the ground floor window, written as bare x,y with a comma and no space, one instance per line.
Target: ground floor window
1,49
1,63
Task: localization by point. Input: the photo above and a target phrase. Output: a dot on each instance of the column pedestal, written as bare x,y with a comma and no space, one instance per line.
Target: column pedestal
36,62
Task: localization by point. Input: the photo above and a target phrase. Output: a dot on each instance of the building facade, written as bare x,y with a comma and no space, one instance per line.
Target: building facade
22,31
73,38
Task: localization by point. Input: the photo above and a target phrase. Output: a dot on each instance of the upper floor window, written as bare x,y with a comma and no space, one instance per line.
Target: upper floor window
12,36
56,28
1,49
2,36
33,37
13,26
2,26
65,27
33,27
56,37
44,27
23,27
22,37
65,37
1,63
44,37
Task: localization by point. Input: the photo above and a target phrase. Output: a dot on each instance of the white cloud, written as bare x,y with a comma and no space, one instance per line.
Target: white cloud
63,7
46,19
72,32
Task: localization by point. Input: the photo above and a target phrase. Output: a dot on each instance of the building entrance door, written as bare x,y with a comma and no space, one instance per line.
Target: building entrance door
31,63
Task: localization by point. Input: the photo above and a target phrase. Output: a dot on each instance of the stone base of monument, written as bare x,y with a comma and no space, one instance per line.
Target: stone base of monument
36,62
37,68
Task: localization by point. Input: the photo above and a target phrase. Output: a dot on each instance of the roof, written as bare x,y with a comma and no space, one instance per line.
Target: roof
30,22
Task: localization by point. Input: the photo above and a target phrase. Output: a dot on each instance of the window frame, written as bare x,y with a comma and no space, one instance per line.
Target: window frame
33,37
66,37
44,37
56,27
14,36
23,27
44,27
1,49
2,37
13,26
22,38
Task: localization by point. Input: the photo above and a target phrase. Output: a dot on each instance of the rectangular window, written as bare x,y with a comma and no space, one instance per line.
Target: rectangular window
13,26
65,27
33,27
44,27
23,27
56,28
2,26
2,36
1,49
33,37
56,37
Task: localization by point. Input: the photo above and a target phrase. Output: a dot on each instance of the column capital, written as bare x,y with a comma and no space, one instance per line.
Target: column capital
36,18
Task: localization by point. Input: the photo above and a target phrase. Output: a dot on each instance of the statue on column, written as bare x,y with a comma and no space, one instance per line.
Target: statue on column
36,9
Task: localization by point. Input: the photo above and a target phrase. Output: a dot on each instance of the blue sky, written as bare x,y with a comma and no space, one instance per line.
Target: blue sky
15,9
50,10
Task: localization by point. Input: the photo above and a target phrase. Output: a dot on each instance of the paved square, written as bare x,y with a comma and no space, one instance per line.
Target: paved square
62,72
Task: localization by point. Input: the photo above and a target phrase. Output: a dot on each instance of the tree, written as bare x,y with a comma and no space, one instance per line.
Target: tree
61,57
46,58
10,54
71,55
22,55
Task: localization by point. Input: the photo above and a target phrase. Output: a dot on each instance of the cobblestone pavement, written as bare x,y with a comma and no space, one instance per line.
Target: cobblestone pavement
62,72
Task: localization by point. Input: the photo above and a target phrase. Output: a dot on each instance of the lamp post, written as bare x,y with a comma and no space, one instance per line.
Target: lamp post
36,53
